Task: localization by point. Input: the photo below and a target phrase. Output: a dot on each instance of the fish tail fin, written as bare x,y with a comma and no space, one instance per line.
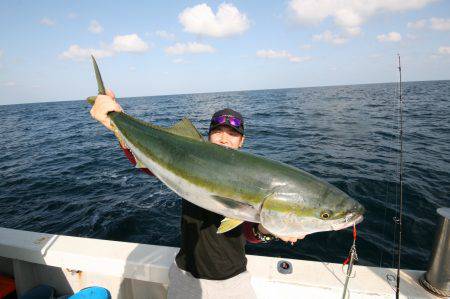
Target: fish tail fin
100,85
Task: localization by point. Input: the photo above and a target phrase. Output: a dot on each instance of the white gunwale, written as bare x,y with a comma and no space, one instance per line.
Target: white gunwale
150,263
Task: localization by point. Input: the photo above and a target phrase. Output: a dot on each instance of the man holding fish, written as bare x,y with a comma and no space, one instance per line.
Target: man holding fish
228,196
207,259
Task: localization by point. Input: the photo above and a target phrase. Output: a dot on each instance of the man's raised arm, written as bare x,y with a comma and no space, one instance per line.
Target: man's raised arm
102,106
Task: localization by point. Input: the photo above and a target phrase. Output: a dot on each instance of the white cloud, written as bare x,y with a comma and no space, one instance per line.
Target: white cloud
132,68
299,58
444,50
349,20
95,27
75,52
434,23
72,16
411,36
200,19
305,47
121,43
440,24
194,48
390,37
348,14
353,31
1,53
178,60
129,43
272,54
328,37
10,83
417,24
165,35
47,22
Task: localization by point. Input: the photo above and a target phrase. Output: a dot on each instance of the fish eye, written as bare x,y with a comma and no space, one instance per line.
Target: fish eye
325,215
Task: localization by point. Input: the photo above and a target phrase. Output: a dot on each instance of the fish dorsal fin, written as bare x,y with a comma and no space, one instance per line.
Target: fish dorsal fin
185,128
228,224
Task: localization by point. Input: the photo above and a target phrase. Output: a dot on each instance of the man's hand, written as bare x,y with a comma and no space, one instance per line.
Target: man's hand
103,105
292,240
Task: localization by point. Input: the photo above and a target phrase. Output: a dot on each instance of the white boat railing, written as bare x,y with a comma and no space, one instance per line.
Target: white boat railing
131,270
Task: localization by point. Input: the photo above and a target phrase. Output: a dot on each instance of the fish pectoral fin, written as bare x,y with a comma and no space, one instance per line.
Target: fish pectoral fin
185,128
228,224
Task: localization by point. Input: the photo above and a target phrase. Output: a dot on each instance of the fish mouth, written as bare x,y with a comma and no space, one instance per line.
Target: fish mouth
350,220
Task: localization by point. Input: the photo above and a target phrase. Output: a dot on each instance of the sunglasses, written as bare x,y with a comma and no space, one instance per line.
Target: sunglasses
219,120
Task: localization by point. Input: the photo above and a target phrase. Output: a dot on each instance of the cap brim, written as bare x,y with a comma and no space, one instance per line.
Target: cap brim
239,130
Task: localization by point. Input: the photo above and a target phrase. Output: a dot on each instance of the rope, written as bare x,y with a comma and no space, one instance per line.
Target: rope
443,293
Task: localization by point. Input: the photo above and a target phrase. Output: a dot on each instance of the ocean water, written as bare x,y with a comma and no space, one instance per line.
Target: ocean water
61,172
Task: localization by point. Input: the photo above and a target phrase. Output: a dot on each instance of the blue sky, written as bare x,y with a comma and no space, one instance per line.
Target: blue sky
169,47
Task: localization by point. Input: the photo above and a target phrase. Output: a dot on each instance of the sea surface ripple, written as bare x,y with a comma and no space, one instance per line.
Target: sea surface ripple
63,173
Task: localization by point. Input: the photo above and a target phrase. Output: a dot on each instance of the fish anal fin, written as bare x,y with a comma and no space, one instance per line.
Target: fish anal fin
228,224
185,128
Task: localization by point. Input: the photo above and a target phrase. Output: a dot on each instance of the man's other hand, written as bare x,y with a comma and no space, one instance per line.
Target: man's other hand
102,106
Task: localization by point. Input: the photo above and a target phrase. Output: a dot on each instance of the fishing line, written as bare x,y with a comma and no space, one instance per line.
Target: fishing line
398,206
399,135
400,209
352,257
397,169
393,129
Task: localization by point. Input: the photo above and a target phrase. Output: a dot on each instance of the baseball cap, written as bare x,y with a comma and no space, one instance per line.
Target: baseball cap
227,117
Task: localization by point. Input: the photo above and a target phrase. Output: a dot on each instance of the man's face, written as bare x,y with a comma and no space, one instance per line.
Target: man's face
226,136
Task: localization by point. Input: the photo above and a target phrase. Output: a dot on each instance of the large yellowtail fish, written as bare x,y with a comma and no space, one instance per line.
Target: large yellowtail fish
238,185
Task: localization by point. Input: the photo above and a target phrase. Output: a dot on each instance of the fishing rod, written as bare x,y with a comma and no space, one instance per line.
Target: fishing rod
400,208
351,259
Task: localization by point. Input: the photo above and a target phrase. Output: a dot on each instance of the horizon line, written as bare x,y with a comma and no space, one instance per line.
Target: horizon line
227,91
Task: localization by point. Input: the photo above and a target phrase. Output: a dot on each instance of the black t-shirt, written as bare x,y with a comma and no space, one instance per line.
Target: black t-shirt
205,253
